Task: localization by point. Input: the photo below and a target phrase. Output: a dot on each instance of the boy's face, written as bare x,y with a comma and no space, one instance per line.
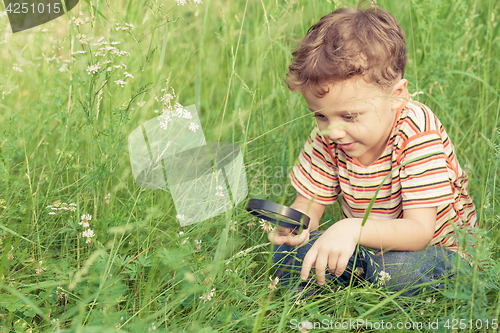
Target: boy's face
357,116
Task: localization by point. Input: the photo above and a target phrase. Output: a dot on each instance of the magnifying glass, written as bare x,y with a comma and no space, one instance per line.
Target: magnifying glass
278,214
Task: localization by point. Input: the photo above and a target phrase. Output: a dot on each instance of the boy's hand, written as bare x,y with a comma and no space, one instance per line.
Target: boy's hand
281,235
333,248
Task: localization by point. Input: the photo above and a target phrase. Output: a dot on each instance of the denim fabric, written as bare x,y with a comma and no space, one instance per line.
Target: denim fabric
406,269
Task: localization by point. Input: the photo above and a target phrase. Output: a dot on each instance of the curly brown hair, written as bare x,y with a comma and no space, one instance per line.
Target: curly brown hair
348,42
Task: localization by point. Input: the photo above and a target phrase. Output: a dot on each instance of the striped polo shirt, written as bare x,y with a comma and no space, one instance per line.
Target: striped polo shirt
429,176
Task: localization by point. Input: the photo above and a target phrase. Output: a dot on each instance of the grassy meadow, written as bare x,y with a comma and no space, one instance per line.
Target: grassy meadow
64,124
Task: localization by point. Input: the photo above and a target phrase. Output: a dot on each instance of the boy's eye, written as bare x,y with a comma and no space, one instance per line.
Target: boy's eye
349,117
318,116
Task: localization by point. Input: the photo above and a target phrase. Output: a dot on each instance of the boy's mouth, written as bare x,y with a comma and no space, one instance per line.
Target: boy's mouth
347,146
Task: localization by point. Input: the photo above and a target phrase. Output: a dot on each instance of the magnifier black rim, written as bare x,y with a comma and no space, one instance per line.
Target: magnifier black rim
276,208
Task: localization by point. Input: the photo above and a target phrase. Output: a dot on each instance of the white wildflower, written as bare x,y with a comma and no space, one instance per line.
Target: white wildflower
193,126
106,198
164,119
121,82
180,217
416,93
128,75
85,220
128,26
181,2
178,109
197,2
101,41
83,39
266,226
184,241
383,277
88,233
52,213
166,98
228,270
17,68
115,43
78,21
208,296
164,125
39,269
273,283
219,193
60,293
122,53
94,69
232,226
78,52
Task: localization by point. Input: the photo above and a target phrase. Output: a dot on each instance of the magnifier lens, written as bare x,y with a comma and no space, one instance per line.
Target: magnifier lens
278,214
275,216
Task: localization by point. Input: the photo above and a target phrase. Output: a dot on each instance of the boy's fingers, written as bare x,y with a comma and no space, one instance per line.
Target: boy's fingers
320,268
296,240
309,260
306,239
341,265
276,239
283,231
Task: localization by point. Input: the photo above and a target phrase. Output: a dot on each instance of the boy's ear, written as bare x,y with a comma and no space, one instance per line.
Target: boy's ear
400,95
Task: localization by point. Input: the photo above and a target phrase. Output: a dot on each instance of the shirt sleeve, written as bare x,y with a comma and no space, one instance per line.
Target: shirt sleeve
315,175
424,174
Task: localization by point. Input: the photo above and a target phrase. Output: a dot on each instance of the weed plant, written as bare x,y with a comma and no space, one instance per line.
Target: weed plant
84,249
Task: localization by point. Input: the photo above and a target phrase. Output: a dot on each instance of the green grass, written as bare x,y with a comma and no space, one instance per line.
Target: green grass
230,59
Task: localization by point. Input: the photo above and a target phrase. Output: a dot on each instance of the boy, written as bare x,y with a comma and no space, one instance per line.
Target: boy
349,67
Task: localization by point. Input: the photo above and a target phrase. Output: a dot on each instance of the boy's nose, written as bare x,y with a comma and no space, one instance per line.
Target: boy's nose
336,134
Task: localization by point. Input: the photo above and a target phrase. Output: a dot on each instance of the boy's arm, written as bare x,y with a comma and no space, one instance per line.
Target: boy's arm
312,209
337,244
411,233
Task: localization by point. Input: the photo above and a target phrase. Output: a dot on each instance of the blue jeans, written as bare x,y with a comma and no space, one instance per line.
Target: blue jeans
406,269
